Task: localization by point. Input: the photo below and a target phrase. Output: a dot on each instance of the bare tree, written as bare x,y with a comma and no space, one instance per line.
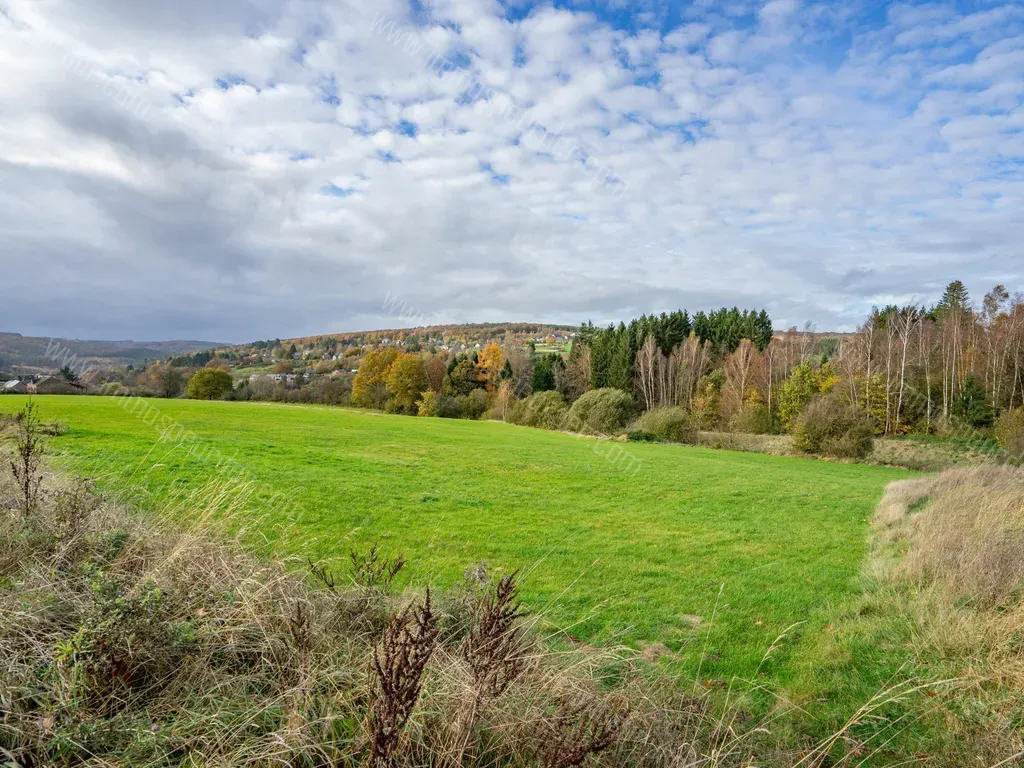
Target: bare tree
646,367
739,375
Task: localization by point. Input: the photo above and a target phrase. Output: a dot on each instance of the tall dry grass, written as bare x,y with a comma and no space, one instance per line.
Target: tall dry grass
952,546
964,533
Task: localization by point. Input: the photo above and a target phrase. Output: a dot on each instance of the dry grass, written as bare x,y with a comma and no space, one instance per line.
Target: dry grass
953,546
965,533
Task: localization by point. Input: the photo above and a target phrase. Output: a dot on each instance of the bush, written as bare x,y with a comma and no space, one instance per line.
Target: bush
831,427
428,404
331,391
753,420
543,409
449,407
1010,434
209,384
672,424
604,411
474,404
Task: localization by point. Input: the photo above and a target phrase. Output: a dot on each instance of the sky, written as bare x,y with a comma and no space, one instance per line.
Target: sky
231,171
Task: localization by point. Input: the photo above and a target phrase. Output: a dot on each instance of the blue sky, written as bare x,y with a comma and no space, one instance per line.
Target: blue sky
243,170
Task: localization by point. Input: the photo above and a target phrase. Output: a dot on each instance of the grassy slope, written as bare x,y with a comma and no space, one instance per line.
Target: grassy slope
611,554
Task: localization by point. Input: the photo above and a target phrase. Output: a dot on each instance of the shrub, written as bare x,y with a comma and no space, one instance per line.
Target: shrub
428,404
753,420
601,410
331,391
473,405
543,409
833,428
449,407
209,384
672,424
1010,433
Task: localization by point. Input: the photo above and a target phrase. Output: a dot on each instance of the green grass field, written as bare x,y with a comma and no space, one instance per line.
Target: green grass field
758,542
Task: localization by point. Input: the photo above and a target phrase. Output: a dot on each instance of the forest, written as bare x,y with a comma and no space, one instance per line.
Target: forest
910,368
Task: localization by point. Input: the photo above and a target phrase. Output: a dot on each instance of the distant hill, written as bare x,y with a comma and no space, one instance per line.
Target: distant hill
466,332
27,354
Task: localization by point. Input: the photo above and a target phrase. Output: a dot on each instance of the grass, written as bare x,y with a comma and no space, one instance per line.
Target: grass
561,349
942,599
706,555
921,453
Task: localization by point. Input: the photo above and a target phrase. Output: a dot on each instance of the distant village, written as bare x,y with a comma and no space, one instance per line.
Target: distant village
263,368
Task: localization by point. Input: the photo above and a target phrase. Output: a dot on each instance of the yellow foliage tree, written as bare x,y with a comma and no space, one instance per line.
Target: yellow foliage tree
369,389
488,366
406,380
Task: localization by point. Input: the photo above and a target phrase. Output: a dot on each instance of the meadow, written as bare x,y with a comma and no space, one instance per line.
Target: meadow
703,557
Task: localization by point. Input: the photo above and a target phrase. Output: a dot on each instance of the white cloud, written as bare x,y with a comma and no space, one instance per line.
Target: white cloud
167,166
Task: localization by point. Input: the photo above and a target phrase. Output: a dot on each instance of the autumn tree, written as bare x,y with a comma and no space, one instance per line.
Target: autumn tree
574,379
488,366
799,389
504,397
435,369
169,380
406,381
369,389
694,361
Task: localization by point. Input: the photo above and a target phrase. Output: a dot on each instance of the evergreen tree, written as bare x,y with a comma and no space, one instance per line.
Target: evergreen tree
955,297
971,405
544,372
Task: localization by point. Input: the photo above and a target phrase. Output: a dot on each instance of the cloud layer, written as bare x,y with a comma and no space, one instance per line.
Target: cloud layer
240,170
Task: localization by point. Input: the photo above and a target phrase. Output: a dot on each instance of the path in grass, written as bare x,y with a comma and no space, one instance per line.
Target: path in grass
770,540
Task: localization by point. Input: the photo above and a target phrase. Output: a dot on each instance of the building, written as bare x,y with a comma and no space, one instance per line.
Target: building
15,387
51,385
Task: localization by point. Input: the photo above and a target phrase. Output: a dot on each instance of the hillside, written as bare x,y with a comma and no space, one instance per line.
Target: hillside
28,354
451,335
